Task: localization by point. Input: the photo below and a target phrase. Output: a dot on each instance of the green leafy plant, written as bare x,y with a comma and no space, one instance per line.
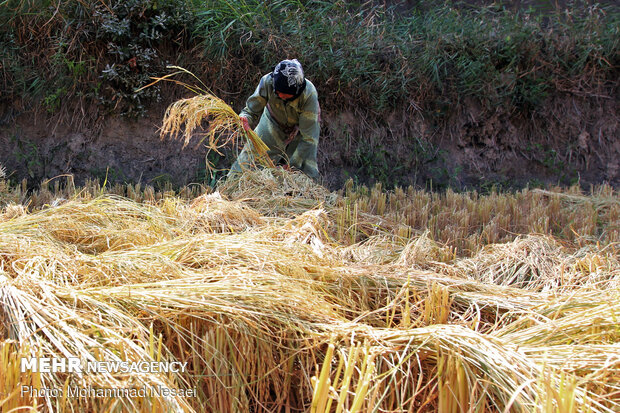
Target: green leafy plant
103,50
367,53
28,154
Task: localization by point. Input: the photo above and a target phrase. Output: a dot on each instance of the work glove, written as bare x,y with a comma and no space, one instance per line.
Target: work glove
245,123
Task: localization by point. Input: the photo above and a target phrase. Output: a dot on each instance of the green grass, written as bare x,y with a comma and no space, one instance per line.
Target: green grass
100,51
386,58
366,59
357,53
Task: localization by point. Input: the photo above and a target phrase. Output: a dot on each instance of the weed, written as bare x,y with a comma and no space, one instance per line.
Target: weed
28,154
109,175
162,182
371,53
375,161
367,53
446,177
70,48
51,102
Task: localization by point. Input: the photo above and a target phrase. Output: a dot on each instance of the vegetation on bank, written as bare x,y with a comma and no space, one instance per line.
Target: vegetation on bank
397,74
360,54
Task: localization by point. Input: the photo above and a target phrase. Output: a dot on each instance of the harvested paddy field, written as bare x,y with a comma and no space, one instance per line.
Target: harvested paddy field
277,295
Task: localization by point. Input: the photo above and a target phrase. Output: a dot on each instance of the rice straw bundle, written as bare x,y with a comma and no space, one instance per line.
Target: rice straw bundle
105,223
527,262
540,263
213,213
276,192
12,211
423,251
223,121
376,249
89,330
191,112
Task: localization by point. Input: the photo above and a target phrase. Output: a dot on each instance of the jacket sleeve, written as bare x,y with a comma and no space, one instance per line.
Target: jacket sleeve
304,157
256,103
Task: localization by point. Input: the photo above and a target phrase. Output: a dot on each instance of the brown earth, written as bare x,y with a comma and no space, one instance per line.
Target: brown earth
568,139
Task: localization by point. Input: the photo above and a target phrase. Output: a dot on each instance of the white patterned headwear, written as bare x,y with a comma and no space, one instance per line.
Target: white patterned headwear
288,77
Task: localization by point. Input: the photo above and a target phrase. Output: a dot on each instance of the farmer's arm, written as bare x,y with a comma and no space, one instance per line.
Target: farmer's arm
304,157
255,104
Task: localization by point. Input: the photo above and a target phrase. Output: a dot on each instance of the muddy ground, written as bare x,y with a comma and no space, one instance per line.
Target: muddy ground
568,139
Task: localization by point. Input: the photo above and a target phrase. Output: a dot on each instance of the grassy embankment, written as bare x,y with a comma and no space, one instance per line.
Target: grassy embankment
360,55
368,60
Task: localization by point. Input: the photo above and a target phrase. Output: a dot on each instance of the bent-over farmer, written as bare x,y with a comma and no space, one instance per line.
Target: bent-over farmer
284,110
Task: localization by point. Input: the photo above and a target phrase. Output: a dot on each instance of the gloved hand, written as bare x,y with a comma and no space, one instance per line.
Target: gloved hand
246,124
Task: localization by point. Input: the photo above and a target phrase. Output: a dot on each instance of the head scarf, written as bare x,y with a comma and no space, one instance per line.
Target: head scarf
288,77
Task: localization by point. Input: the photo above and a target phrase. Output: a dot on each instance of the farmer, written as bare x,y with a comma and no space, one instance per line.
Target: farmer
290,125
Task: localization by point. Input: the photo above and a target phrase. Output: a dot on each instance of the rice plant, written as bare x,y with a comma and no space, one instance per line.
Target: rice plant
224,126
273,308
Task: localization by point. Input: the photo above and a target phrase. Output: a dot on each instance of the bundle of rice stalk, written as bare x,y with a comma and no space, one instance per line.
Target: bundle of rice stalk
22,256
567,321
605,197
12,379
376,249
576,337
539,263
277,192
595,367
329,388
223,120
465,291
11,211
212,213
93,226
353,224
528,262
247,335
247,250
269,300
488,306
308,228
209,287
211,254
63,264
595,267
422,251
385,296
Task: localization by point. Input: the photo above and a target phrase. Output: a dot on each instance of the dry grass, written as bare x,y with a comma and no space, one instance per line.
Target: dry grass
283,297
222,121
223,127
289,193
